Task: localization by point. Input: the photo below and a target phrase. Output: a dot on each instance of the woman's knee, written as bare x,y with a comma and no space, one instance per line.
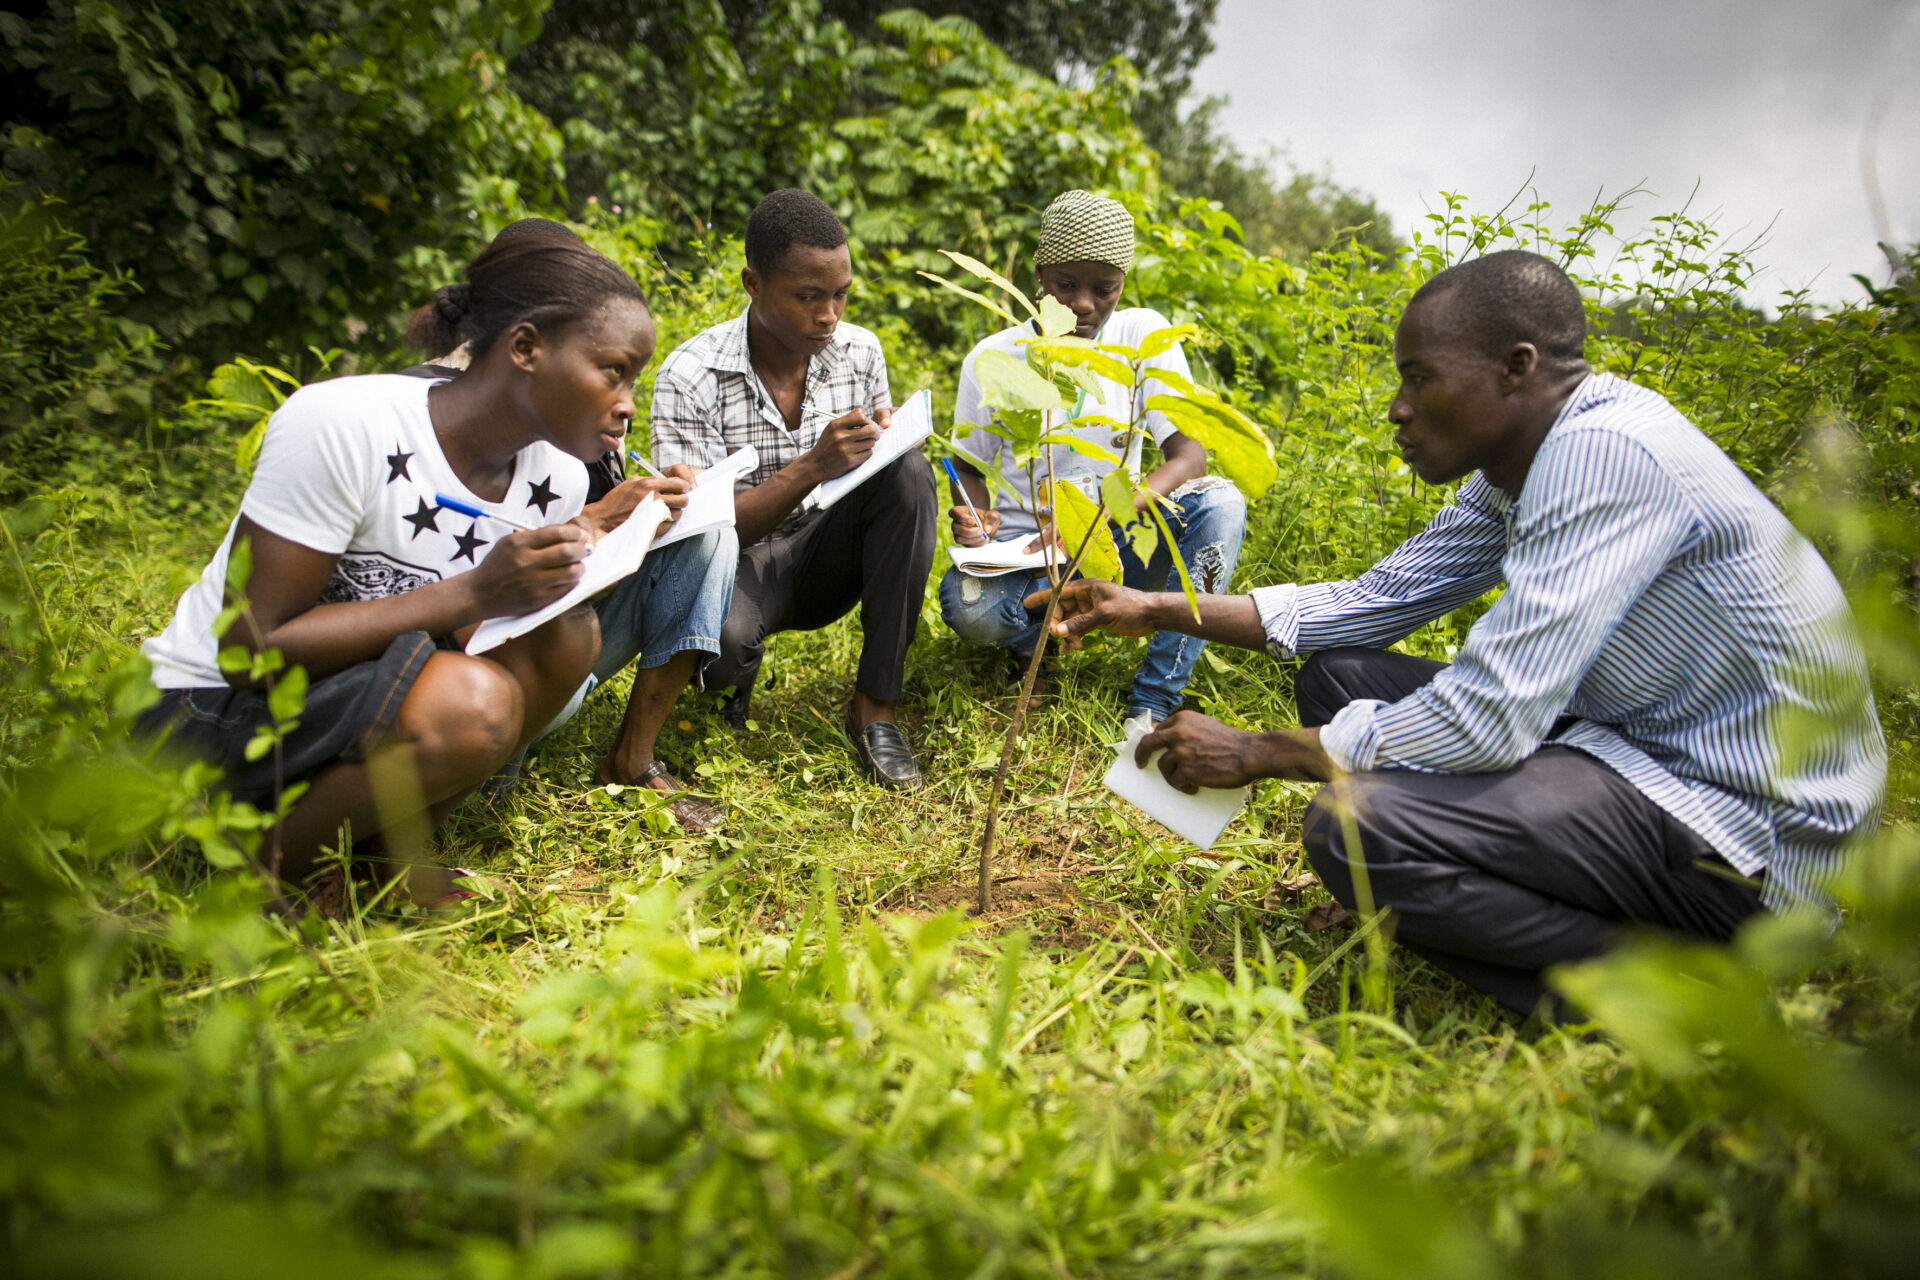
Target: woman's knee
464,714
1213,498
573,644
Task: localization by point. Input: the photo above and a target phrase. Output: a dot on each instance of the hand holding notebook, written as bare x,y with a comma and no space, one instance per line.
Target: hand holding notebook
614,557
912,423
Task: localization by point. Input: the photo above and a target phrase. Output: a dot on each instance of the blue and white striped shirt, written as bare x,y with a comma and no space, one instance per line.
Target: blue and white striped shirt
1654,594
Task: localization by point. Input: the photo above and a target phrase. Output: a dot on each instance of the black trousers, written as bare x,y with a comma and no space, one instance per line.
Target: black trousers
873,548
1495,876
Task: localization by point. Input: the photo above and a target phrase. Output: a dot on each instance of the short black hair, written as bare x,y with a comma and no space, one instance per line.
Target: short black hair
1513,296
788,217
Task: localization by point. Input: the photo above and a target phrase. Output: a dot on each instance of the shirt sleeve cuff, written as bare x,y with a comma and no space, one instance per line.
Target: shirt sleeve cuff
1279,617
1348,738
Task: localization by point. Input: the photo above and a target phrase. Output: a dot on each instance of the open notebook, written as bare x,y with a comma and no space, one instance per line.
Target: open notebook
614,557
910,426
710,505
996,558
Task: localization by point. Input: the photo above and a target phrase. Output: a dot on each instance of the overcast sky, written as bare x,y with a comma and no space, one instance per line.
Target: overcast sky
1763,102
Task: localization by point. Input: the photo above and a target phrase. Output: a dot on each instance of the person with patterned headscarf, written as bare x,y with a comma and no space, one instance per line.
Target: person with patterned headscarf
1086,250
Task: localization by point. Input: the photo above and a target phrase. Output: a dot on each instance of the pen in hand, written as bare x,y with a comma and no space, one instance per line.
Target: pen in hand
960,492
472,512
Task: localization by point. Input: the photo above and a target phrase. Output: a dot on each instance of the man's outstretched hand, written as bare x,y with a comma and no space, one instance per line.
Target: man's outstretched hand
1202,752
1091,604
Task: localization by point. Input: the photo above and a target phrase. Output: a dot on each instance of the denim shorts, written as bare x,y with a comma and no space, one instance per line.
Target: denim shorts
346,715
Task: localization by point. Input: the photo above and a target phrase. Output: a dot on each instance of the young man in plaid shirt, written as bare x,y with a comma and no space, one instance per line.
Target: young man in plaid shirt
809,393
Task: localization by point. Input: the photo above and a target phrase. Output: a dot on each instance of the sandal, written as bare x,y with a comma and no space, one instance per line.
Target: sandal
693,812
457,897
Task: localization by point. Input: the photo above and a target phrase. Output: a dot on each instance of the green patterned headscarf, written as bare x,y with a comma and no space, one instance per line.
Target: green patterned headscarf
1080,226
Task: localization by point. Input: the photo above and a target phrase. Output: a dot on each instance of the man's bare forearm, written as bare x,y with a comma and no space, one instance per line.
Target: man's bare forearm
1230,620
759,511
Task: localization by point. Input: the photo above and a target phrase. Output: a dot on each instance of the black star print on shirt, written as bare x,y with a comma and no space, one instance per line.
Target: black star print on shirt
469,543
539,495
397,465
423,520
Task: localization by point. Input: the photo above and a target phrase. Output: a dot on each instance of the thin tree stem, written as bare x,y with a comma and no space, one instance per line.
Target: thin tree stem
1019,719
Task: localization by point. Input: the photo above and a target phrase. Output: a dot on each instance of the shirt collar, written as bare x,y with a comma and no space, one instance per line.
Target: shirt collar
730,352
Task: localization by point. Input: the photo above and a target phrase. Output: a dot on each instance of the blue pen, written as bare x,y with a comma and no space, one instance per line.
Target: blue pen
960,491
652,470
475,513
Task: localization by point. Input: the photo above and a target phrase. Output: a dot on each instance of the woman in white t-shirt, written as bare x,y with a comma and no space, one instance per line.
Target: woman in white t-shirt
1085,252
365,573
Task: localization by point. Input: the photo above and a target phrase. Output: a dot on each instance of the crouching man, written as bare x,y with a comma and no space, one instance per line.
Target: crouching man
1612,746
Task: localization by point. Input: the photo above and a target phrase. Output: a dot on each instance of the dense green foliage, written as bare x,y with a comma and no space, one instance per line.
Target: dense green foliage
780,1050
260,165
66,356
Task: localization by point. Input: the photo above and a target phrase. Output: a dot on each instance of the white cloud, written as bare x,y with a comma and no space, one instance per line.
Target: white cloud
1762,103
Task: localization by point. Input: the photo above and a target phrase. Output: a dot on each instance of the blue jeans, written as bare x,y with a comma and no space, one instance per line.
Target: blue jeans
676,601
1208,528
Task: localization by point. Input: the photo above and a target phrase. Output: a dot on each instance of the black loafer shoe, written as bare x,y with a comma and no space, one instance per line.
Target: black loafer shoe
885,754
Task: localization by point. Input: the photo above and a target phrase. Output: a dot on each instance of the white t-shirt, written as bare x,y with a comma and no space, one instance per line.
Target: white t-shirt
1126,327
350,467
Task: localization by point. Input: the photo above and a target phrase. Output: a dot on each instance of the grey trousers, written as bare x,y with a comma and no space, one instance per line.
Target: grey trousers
1493,877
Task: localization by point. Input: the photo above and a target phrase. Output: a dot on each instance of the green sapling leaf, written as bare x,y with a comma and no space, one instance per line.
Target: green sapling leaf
1117,492
1240,449
1082,447
987,273
1162,340
1085,357
1154,513
969,294
1078,518
239,566
1056,319
290,796
1006,382
289,695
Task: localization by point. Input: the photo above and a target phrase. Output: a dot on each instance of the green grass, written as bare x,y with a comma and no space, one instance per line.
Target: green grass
787,1050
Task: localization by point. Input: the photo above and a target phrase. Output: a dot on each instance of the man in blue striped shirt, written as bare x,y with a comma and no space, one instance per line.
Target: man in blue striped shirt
1664,720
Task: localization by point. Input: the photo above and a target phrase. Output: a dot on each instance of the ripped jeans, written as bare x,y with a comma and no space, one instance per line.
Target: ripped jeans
1208,527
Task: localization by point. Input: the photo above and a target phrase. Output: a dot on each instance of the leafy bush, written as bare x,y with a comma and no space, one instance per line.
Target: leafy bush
258,164
680,120
65,357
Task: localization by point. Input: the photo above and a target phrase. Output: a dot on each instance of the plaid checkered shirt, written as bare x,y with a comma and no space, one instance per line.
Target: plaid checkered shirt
708,402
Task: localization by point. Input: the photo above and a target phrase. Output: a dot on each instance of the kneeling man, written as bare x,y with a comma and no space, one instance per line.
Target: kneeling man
1612,745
